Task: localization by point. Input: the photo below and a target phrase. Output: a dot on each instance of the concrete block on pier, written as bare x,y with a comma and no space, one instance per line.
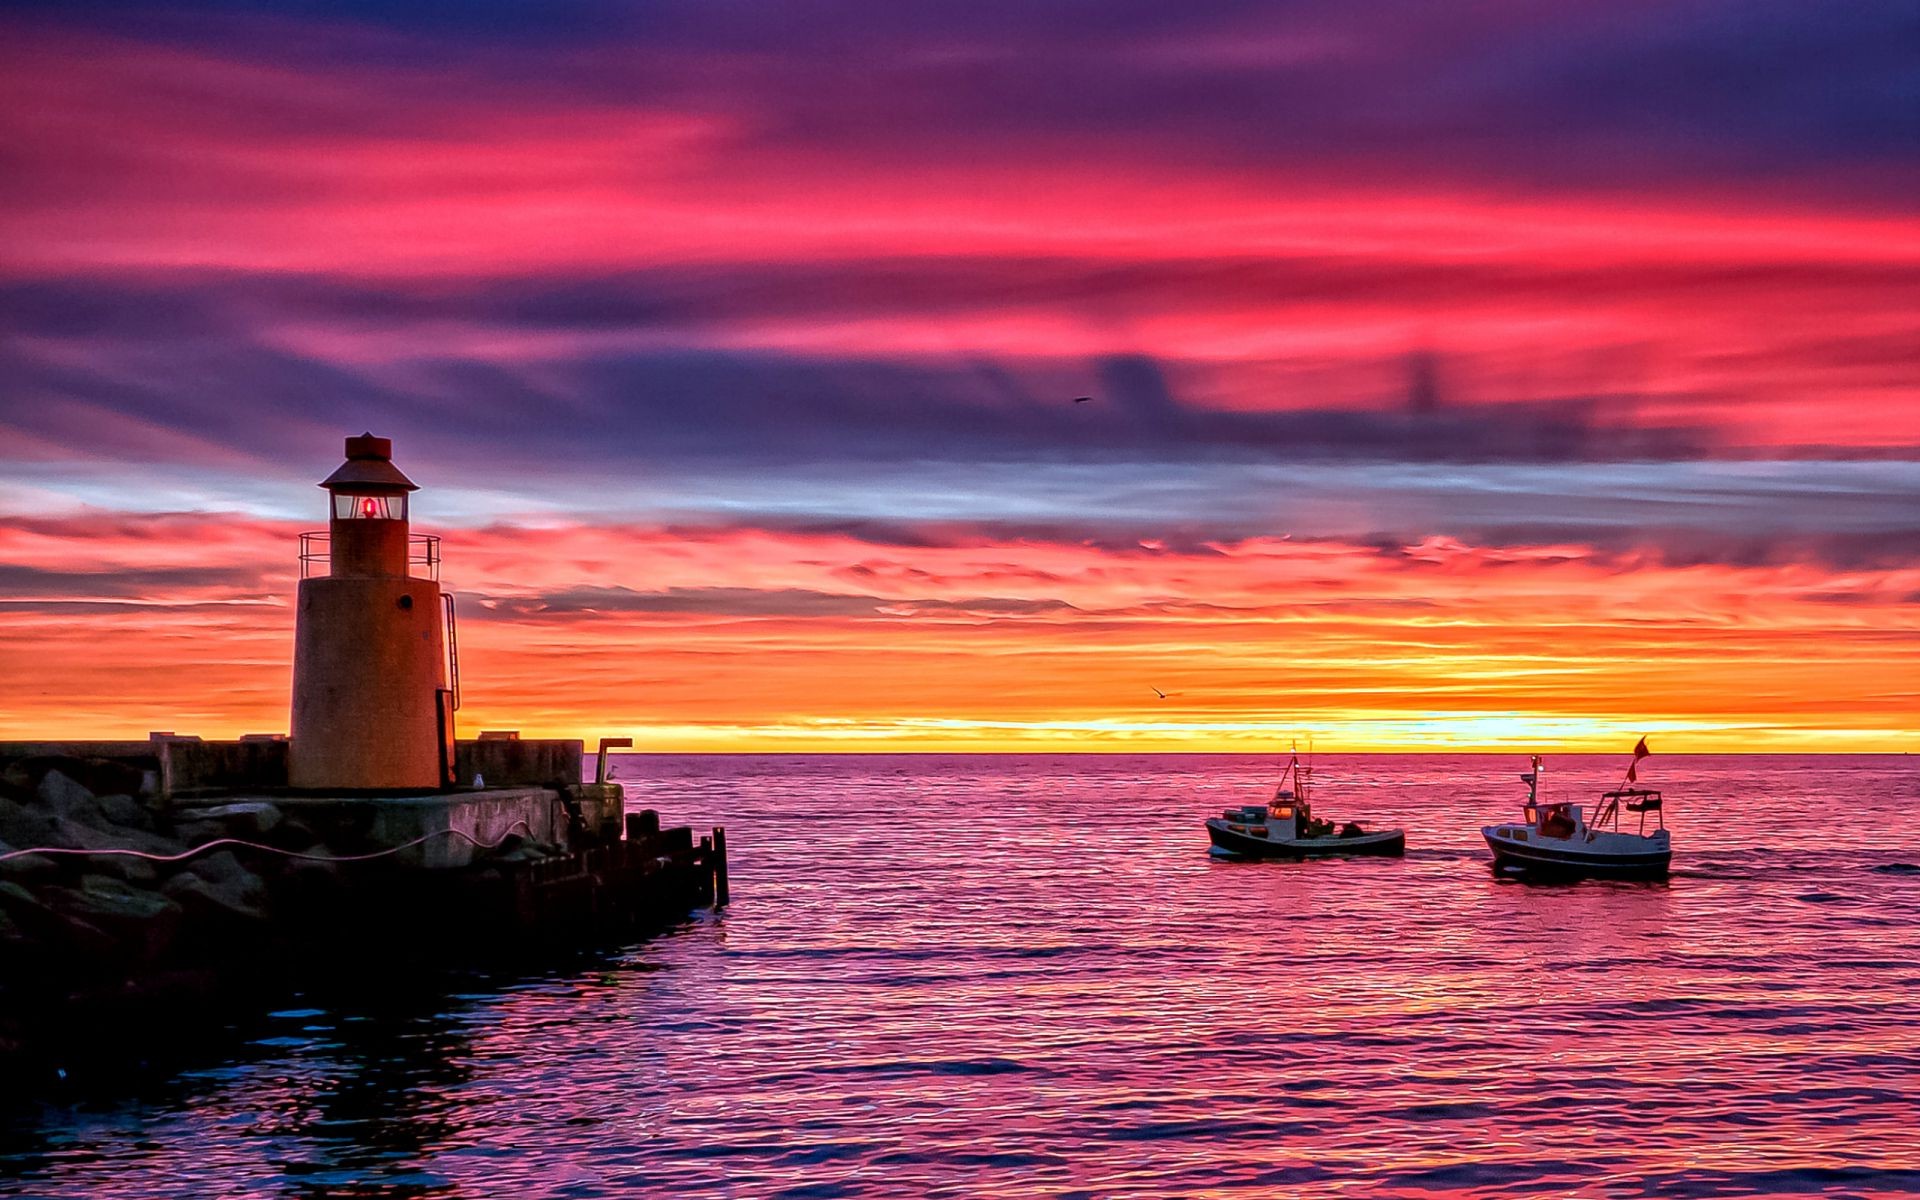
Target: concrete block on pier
451,823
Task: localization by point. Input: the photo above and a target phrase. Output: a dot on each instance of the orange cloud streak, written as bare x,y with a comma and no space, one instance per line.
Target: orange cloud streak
755,640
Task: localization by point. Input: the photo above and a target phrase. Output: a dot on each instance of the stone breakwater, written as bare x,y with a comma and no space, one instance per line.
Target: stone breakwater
112,941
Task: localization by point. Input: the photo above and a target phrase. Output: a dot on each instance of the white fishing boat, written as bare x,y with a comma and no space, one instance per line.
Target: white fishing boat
1287,828
1556,838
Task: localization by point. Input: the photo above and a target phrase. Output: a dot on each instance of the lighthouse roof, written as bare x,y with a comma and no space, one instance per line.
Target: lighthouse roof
369,468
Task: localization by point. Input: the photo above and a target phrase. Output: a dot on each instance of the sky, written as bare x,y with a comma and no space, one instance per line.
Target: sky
1471,376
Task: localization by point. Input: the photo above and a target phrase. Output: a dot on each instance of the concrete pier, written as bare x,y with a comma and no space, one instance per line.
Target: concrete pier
451,830
120,909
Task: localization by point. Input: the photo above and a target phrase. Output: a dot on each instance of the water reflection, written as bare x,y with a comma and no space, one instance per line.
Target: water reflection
1025,977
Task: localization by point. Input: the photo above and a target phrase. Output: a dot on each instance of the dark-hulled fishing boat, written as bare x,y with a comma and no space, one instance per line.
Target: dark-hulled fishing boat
1287,828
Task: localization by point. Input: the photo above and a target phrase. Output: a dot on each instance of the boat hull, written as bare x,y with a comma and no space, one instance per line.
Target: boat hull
1564,860
1225,840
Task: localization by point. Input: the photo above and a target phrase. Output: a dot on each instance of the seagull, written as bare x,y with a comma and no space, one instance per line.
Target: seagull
1161,694
1081,399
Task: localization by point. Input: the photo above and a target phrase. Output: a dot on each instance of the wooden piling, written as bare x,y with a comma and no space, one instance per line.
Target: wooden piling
719,866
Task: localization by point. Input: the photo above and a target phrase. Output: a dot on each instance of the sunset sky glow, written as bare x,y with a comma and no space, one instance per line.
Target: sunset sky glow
1463,377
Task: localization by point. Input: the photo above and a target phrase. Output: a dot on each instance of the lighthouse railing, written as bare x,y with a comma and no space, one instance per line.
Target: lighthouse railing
316,555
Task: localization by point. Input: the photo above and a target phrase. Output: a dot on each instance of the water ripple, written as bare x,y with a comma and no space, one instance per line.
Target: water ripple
1024,977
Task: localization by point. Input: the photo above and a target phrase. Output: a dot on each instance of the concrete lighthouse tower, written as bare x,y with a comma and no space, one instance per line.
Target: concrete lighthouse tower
373,697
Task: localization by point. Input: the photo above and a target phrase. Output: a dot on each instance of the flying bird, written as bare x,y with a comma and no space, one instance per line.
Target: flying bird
1161,694
1081,399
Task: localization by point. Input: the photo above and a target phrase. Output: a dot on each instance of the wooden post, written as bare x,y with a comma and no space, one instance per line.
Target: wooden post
164,784
719,866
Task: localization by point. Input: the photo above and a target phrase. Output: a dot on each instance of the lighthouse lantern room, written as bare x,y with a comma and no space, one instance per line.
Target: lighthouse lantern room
373,682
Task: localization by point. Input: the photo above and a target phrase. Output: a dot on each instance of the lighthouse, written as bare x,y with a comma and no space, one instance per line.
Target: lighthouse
374,678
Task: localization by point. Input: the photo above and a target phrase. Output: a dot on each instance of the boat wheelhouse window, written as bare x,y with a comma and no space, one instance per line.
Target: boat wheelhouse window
1556,820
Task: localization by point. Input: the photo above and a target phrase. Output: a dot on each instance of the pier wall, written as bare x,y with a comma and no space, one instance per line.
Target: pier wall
515,763
175,765
486,818
184,767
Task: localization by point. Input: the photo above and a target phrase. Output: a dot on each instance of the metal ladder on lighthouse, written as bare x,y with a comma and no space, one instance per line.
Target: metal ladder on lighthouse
453,652
448,698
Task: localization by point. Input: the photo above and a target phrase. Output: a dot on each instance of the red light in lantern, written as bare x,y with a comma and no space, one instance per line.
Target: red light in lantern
367,508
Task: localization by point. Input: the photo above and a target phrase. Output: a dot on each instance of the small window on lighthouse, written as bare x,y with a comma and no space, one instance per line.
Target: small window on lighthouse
348,507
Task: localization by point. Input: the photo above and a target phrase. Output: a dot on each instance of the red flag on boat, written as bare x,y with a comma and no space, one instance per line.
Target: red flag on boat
1640,751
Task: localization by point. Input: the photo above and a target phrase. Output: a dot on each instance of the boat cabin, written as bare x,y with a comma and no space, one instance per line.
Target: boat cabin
1290,805
1557,819
1292,813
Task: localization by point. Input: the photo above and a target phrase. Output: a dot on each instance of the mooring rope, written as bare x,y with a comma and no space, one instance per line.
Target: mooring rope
338,858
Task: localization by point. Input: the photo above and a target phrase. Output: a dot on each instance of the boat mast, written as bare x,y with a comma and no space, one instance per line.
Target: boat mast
1303,776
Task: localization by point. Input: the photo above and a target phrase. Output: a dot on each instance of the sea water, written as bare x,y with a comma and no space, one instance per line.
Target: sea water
1013,976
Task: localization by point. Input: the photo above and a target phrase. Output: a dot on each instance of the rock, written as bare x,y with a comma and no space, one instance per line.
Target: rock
294,834
248,819
198,833
64,797
47,915
12,895
29,867
75,835
137,871
61,833
73,801
124,811
62,794
223,867
25,826
317,858
219,885
105,777
25,866
221,902
140,920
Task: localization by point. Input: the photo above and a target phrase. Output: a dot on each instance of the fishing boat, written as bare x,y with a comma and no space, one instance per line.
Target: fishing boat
1287,828
1556,838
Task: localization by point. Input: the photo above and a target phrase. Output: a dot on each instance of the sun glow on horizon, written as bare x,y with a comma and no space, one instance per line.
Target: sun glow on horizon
742,640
